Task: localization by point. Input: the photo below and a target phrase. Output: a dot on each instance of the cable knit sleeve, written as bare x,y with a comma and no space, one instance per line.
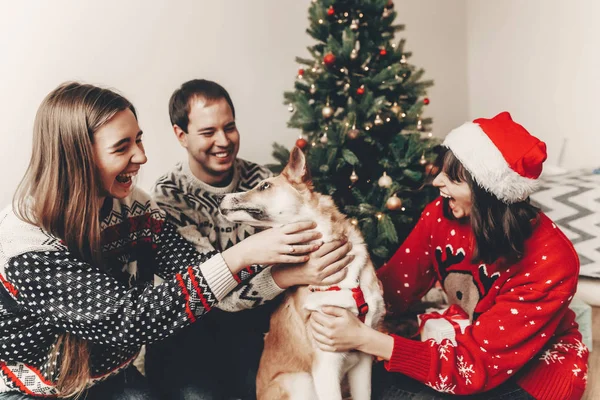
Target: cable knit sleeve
518,327
409,274
81,299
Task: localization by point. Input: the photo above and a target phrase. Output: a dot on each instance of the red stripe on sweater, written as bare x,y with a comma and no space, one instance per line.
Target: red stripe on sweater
192,275
39,374
20,384
11,289
237,277
186,294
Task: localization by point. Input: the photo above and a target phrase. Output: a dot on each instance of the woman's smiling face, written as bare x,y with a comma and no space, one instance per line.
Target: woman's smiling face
119,153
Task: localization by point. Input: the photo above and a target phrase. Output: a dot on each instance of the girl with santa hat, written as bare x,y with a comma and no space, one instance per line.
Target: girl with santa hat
499,258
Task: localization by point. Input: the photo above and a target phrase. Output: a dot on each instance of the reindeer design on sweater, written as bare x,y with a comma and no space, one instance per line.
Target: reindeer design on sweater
460,284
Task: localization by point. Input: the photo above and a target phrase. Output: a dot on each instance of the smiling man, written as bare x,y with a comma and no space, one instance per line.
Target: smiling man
228,345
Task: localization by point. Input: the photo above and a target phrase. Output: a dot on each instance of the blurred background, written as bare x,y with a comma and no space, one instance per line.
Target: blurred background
537,59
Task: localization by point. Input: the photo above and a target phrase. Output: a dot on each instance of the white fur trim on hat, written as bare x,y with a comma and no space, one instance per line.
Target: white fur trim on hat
478,154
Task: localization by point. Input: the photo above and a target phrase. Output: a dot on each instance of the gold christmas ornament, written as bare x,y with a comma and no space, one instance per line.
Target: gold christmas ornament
291,108
379,215
353,177
420,125
403,59
385,181
378,120
313,89
327,111
354,25
423,160
354,221
393,203
324,138
396,109
353,133
368,126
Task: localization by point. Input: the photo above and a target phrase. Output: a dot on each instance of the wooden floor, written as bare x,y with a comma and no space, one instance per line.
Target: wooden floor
593,386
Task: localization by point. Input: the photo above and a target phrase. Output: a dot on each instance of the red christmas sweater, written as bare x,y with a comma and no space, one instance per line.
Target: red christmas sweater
522,326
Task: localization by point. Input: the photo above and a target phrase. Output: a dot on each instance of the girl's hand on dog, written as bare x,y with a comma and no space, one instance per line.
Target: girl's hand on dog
282,245
337,329
325,267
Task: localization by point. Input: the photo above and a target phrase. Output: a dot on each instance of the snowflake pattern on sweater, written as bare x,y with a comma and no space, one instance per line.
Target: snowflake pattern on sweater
48,291
522,325
193,206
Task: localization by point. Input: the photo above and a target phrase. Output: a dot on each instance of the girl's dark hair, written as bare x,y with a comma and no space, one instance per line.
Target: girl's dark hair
499,229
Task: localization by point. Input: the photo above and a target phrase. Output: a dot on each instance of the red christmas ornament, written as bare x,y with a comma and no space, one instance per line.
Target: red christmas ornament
382,52
329,59
301,143
330,11
300,72
425,101
360,91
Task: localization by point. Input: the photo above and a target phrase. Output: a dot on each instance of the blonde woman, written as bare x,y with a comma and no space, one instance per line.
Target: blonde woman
79,248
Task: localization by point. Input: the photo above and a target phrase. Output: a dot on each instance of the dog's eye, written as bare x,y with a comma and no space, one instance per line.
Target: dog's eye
264,186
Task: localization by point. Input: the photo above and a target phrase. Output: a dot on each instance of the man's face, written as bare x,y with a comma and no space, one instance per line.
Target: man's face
212,140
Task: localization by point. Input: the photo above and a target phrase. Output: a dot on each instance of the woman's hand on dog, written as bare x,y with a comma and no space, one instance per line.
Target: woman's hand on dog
336,329
288,244
325,267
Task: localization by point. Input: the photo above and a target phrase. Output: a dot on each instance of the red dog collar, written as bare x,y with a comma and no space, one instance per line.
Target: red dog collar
359,299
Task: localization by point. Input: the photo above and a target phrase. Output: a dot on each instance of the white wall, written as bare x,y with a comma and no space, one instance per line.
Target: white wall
146,49
539,59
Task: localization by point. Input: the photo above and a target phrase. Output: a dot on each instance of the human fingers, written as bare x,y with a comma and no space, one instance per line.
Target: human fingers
295,227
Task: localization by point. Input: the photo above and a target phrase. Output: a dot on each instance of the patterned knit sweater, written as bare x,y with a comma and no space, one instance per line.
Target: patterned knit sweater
522,325
47,291
193,206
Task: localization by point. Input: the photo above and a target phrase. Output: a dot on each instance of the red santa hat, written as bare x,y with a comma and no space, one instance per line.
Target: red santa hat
500,154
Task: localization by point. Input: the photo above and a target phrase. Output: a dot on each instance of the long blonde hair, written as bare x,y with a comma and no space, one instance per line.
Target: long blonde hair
60,193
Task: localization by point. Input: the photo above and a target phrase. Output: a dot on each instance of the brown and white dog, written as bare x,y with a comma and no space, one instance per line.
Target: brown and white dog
292,366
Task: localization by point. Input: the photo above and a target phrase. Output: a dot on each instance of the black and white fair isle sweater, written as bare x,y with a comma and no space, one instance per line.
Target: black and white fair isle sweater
47,291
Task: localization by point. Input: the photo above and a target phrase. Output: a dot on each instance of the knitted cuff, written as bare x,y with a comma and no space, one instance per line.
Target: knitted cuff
266,285
218,276
410,357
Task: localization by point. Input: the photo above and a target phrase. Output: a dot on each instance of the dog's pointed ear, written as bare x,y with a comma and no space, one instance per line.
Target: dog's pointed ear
295,170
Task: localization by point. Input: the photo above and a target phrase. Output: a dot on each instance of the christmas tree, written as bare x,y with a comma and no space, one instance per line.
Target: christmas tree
359,103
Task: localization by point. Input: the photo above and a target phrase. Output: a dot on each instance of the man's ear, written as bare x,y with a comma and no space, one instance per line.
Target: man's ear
180,135
295,170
